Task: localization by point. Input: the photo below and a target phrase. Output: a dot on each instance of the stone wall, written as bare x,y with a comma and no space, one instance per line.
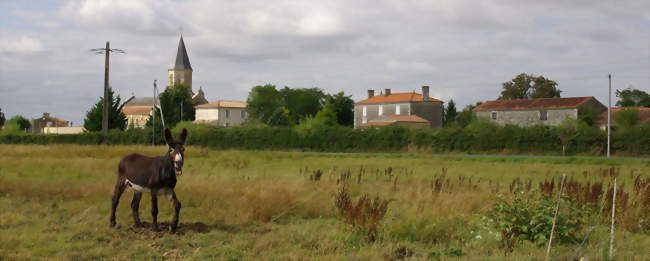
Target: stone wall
523,118
372,111
226,117
431,111
180,76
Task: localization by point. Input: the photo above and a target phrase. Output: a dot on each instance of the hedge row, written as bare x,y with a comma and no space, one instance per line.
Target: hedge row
476,138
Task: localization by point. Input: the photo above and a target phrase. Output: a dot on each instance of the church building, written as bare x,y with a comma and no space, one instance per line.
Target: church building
138,109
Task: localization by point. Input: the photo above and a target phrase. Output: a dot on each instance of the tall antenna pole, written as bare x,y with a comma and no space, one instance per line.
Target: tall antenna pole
106,104
153,115
609,117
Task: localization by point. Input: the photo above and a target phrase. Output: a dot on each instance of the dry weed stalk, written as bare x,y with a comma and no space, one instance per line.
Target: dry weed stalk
365,215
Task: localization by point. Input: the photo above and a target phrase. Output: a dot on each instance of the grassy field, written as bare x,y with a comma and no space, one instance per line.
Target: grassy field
262,205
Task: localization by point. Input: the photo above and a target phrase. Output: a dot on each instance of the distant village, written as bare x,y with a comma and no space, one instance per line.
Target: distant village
409,109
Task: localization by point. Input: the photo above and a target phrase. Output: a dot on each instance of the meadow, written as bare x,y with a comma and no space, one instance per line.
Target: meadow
271,205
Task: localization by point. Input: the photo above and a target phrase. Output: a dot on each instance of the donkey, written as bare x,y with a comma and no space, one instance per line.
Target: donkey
155,175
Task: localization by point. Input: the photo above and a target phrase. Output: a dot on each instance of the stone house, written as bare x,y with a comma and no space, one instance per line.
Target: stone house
38,124
222,113
137,111
409,109
544,111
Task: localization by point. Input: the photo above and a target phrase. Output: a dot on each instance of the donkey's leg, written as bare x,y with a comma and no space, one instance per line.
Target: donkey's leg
154,210
117,193
177,210
135,208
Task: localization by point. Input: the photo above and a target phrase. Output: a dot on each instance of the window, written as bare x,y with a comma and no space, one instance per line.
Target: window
227,113
243,114
397,109
381,109
365,111
494,115
543,115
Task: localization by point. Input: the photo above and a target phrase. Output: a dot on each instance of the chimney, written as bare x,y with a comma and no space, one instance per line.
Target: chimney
387,91
425,92
371,93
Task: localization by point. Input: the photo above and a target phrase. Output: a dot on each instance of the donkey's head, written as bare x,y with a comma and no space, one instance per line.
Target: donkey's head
176,150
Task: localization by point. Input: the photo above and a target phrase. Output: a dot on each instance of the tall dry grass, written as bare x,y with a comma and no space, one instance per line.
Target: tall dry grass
54,202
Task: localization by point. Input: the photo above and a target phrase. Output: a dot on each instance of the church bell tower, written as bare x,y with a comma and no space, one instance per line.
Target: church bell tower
182,71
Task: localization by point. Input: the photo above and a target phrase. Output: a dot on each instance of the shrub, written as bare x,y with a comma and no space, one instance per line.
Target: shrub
530,217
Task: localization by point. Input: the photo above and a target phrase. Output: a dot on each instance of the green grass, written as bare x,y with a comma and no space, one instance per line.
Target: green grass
252,205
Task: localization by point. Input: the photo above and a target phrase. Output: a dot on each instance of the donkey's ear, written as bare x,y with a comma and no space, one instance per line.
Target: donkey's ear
183,136
168,136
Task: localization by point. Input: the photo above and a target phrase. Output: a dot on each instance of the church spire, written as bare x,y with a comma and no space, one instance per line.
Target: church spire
182,60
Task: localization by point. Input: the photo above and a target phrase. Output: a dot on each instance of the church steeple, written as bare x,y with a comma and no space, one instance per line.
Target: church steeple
181,73
182,60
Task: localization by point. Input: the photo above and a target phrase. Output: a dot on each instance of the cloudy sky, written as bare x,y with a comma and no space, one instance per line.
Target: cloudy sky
464,50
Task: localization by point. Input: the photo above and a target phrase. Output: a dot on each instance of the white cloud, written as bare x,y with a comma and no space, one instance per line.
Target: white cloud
463,49
23,45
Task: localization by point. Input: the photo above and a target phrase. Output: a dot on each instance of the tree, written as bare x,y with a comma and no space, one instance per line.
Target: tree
116,119
283,107
450,114
567,131
627,118
17,123
2,118
466,116
588,115
632,97
327,115
176,104
302,102
343,107
525,86
265,103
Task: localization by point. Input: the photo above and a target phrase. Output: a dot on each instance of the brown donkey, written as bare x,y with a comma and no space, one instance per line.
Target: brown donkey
155,175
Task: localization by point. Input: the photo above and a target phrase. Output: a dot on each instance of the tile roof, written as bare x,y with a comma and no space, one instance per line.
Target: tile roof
223,104
405,118
397,97
644,114
143,101
376,123
391,119
136,110
533,104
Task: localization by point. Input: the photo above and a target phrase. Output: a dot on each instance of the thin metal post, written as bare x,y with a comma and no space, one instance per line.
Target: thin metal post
611,235
106,103
557,209
609,117
153,115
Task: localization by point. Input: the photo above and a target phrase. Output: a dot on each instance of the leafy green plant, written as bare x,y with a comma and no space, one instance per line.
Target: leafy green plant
530,217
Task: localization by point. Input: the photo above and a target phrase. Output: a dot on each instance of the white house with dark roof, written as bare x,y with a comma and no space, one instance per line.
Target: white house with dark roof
222,113
408,109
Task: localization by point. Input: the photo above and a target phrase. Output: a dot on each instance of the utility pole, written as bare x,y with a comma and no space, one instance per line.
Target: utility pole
153,116
609,117
106,105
